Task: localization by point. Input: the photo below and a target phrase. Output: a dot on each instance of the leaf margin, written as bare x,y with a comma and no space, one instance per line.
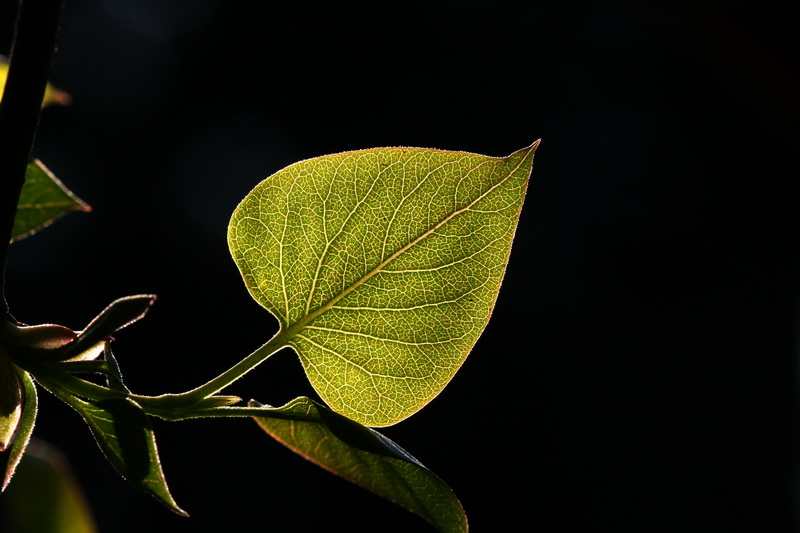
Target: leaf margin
290,328
36,170
372,450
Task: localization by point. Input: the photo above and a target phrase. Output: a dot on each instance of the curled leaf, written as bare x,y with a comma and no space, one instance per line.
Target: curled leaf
25,428
11,398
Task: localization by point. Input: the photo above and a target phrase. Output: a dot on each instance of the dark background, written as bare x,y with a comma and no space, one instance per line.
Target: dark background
639,372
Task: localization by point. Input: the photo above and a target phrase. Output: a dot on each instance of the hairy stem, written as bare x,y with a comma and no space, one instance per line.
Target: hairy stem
220,382
242,412
31,56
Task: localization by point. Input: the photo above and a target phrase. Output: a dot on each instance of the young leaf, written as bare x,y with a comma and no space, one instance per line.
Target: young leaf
43,200
25,428
11,398
366,458
382,267
119,314
123,432
39,337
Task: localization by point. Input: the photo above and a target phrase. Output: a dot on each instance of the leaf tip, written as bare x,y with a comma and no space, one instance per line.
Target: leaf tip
531,148
136,306
180,512
56,96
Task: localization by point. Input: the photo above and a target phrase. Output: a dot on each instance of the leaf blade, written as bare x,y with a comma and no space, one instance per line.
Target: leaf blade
119,314
382,267
366,458
43,200
124,434
27,421
11,400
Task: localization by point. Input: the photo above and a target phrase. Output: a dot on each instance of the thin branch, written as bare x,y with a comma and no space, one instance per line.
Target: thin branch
31,56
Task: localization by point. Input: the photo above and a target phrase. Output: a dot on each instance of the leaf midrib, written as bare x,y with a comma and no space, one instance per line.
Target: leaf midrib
304,321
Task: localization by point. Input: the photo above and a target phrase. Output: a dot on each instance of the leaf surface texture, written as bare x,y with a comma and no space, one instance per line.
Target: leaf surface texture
382,267
43,200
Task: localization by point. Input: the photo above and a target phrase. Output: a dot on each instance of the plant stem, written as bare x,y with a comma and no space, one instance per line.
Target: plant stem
53,378
243,412
29,67
220,382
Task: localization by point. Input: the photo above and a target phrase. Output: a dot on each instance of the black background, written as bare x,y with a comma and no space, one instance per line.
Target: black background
639,372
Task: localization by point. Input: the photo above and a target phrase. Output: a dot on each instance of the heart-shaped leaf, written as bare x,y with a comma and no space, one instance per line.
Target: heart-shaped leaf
43,200
367,458
382,267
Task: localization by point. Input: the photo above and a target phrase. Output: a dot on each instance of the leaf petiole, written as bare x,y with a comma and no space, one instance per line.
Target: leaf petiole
179,402
84,367
240,412
55,379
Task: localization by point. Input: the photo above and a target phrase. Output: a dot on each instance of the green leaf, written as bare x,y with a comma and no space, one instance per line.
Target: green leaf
120,313
366,458
39,337
11,399
25,428
123,432
382,267
45,497
43,200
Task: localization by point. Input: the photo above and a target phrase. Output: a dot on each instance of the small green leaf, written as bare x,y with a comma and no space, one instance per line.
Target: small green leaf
123,432
367,458
120,313
11,396
43,200
39,337
45,497
382,267
25,428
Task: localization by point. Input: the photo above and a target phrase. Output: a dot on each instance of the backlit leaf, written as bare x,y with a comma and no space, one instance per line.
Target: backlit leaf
119,314
367,458
123,432
43,200
25,428
10,400
382,267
